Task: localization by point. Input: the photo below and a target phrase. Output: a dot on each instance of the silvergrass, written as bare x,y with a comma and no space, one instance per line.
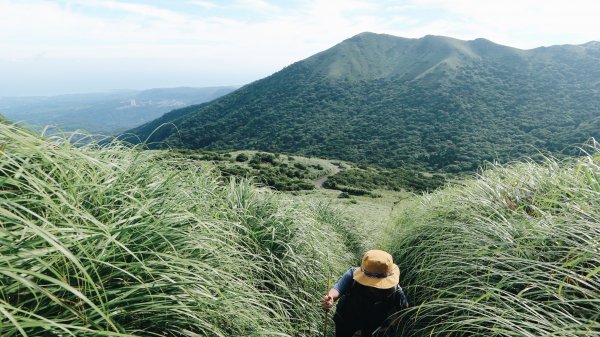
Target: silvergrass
514,252
116,241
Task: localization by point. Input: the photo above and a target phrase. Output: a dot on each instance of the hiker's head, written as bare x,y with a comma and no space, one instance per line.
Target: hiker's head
377,270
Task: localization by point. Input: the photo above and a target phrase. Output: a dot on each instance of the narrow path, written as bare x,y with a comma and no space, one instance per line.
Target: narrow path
319,182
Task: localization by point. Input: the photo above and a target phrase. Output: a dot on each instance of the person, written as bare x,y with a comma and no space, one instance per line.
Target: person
367,295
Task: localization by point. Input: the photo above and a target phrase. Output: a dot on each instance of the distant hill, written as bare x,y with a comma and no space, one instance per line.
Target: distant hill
434,103
110,113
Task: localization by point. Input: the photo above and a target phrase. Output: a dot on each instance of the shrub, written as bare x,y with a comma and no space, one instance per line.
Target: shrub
263,158
344,195
242,157
300,166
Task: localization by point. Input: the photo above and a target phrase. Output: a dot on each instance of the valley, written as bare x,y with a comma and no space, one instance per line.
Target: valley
108,113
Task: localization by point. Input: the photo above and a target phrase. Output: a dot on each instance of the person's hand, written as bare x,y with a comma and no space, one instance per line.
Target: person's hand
326,302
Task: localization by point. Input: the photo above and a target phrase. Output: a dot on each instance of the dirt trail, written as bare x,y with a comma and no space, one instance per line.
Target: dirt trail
319,182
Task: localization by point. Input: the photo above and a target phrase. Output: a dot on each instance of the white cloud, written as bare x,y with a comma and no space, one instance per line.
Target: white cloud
257,37
257,5
520,23
203,4
62,32
134,9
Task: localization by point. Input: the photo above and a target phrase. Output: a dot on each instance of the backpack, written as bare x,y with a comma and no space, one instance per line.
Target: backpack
367,308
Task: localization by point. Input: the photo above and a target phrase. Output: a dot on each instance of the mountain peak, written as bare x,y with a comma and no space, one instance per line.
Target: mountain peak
366,34
435,102
592,44
368,56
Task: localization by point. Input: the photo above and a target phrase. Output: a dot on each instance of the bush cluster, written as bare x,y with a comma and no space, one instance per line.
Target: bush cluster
363,179
270,170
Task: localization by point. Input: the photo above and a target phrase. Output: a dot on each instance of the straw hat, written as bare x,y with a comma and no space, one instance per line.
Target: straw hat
377,270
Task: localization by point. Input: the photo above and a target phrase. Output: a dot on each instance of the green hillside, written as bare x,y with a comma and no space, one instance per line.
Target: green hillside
122,242
294,173
435,104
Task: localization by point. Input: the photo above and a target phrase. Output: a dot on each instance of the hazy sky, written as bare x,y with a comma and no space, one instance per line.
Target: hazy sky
67,46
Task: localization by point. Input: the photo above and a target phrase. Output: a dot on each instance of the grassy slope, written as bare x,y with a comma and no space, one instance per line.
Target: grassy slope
372,217
120,242
123,242
280,172
294,173
515,252
372,213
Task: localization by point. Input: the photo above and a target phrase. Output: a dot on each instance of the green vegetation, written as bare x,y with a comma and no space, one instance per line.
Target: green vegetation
282,173
242,157
121,242
514,253
370,178
430,104
371,216
289,173
115,241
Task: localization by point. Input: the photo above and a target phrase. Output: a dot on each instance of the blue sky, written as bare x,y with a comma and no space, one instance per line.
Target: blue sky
67,46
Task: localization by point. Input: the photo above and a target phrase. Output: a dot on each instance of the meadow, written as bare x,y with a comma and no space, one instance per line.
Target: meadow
512,252
120,241
116,241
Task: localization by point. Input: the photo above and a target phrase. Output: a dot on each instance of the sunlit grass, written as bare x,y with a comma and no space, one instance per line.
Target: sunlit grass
115,241
369,218
515,252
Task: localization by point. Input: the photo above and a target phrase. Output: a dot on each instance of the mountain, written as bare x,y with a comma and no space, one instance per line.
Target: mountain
111,112
434,103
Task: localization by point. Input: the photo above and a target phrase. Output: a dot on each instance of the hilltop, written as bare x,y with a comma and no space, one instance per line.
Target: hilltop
434,103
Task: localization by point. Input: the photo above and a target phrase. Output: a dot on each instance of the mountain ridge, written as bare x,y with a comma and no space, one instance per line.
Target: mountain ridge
433,103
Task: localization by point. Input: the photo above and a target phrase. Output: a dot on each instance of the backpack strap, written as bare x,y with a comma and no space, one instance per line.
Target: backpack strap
402,299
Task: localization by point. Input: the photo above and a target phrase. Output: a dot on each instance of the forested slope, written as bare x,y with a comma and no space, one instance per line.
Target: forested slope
433,103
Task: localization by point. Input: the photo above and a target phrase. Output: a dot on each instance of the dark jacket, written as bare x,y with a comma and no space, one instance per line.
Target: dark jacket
366,308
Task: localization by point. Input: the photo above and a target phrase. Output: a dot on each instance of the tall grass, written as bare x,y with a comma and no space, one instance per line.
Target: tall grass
515,252
121,242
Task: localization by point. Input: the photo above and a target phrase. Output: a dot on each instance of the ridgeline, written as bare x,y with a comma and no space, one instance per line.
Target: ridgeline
107,112
432,104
